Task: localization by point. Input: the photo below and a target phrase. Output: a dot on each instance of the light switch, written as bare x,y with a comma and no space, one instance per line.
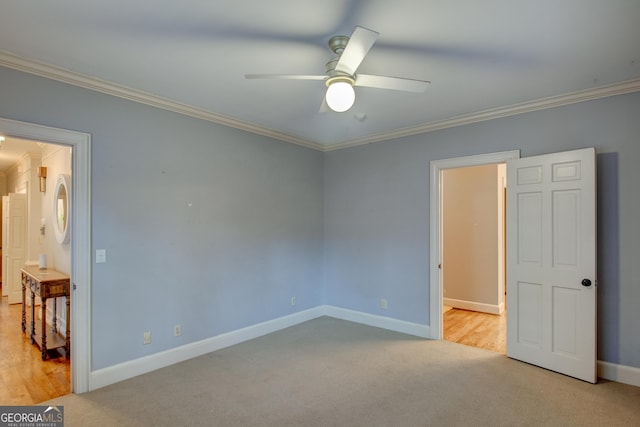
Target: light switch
101,256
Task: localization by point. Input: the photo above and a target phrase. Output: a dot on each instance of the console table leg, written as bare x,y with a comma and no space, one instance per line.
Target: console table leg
54,321
24,304
67,344
33,317
44,328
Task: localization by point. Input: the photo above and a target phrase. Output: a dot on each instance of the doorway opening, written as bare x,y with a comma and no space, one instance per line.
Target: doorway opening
29,241
477,308
551,229
80,228
473,256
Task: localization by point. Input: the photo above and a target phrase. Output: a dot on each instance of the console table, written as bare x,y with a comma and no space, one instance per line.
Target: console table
46,283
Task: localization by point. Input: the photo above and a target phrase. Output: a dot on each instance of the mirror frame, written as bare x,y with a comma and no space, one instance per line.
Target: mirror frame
62,236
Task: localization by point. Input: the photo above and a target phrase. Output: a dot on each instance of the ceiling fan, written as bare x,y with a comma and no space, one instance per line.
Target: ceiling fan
342,76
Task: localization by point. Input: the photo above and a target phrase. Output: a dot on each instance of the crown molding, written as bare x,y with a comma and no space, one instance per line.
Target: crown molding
621,88
30,66
53,72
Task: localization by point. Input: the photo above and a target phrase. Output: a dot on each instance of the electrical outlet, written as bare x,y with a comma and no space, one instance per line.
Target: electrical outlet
293,301
383,303
146,338
177,330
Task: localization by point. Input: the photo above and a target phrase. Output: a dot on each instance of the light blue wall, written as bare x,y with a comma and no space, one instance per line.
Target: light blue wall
377,212
251,239
256,232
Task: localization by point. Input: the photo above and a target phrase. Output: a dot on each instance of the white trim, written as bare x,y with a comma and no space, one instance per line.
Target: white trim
123,371
474,306
120,372
435,240
378,321
619,373
30,66
53,72
81,241
620,88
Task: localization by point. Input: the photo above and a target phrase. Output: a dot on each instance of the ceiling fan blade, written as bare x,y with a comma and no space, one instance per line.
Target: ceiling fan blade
393,83
359,44
286,76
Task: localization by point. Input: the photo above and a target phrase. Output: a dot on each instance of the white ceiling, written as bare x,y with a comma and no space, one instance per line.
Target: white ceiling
193,54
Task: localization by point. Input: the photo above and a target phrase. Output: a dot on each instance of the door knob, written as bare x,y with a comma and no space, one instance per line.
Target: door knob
586,282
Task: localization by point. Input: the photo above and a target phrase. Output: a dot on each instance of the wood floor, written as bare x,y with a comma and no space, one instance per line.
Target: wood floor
475,329
25,379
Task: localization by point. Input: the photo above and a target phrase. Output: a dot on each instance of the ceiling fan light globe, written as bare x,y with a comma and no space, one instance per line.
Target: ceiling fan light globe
340,96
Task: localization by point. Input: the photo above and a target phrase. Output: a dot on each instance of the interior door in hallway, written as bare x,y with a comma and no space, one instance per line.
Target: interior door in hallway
15,249
551,262
5,286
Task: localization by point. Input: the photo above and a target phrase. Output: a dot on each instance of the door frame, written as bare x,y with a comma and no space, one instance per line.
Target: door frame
435,229
80,223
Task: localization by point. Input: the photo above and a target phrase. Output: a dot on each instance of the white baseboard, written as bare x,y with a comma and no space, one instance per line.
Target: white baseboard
619,373
120,372
475,306
132,368
378,321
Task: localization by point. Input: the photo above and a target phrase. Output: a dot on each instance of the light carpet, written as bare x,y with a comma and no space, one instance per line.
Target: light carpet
330,372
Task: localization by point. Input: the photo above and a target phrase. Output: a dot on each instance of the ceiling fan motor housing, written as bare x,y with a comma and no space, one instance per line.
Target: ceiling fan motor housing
331,70
338,43
340,78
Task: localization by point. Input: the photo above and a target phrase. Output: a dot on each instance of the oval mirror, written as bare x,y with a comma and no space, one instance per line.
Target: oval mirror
61,209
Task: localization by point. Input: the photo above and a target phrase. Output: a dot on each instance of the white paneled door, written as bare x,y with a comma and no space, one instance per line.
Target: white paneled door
15,249
551,262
